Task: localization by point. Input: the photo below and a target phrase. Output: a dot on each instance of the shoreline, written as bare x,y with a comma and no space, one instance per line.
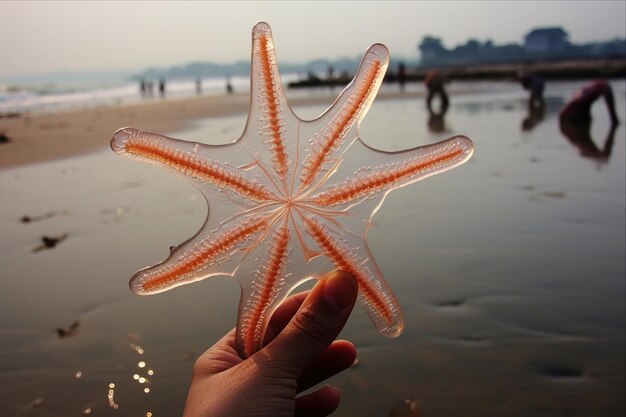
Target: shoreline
31,138
50,136
560,70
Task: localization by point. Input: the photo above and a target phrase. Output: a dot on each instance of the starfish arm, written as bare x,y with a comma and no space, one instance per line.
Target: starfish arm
270,116
261,295
401,169
340,122
354,257
266,282
202,256
185,159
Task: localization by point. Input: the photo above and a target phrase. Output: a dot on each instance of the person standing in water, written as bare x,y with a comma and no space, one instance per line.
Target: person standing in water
435,83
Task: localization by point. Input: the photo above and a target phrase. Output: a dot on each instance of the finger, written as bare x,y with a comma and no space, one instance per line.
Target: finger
283,315
319,403
317,323
338,356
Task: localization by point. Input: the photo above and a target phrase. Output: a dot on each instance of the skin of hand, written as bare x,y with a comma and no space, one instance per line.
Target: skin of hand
299,352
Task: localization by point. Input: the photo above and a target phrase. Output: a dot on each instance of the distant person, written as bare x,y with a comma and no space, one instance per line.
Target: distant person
142,88
435,83
331,72
162,87
578,109
575,120
199,86
312,78
535,85
229,87
401,75
536,103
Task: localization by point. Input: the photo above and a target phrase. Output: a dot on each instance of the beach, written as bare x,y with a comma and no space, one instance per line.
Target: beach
53,135
509,269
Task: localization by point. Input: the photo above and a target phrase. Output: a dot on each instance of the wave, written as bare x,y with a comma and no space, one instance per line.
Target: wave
67,96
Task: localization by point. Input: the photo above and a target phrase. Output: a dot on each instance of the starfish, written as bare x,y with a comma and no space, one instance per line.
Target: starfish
290,199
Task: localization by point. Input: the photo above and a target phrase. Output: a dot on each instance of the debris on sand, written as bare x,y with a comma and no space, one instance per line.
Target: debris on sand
48,242
68,331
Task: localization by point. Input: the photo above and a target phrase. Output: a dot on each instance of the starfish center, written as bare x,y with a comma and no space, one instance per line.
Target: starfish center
289,202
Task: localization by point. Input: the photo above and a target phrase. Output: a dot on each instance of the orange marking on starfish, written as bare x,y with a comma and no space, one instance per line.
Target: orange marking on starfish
272,111
342,261
190,165
359,187
313,163
203,253
251,326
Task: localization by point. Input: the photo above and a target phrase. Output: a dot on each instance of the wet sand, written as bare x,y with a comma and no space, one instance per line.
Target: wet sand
509,269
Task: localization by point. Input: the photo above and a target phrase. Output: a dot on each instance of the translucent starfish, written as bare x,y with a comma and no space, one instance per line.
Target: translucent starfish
289,200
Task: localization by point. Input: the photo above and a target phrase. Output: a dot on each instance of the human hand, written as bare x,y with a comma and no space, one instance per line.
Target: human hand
299,352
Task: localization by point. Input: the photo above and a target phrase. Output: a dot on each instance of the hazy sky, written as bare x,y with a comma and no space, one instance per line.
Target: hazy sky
76,36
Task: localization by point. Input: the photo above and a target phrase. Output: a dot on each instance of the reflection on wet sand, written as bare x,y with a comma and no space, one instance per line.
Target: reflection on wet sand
45,216
406,408
536,114
436,122
579,135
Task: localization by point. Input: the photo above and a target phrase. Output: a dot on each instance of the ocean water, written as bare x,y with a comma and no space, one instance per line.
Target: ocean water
510,270
66,97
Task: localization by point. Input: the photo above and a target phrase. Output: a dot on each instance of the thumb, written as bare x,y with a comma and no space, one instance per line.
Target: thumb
317,323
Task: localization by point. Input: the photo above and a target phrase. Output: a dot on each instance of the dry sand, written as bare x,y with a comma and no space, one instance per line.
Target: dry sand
38,138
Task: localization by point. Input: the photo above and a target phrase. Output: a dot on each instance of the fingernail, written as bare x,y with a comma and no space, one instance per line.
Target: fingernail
339,290
335,390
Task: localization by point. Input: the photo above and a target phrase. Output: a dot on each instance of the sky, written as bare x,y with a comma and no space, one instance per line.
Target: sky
40,37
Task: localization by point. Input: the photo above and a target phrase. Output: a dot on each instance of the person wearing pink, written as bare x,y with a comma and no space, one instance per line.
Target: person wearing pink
578,109
575,120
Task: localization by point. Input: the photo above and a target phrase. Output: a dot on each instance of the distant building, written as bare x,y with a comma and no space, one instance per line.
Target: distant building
546,44
432,50
546,40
